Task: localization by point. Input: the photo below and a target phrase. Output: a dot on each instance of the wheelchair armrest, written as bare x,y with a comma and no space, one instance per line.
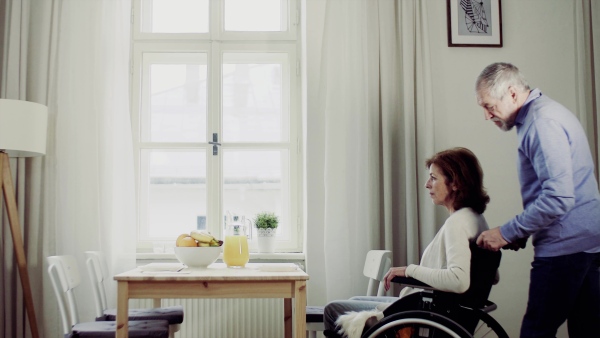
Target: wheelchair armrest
489,306
409,281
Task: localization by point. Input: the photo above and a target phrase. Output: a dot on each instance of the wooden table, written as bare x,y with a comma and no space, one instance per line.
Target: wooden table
217,281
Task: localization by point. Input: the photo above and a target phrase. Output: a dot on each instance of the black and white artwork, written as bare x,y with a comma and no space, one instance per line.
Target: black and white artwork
474,23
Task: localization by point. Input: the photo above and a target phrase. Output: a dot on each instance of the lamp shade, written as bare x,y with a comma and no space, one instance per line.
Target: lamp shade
23,128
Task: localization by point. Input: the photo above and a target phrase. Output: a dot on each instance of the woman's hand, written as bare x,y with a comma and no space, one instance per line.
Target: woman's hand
399,271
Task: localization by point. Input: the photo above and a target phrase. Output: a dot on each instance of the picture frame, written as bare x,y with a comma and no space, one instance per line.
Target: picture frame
474,23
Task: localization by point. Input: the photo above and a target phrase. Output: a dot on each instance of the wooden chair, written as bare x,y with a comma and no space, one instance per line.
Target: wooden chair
98,272
65,277
377,264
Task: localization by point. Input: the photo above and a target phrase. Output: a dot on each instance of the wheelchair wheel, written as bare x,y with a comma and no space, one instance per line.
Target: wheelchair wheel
416,324
423,324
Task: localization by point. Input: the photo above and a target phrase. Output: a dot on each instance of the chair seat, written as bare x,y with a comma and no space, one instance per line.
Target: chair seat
314,314
144,328
172,314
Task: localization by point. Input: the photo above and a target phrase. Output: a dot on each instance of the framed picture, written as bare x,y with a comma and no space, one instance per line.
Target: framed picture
474,23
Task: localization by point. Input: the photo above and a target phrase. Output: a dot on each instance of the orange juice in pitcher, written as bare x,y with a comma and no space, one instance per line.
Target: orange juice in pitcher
235,251
235,248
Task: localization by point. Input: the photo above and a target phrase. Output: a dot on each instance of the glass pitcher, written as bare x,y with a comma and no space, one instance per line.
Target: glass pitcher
235,247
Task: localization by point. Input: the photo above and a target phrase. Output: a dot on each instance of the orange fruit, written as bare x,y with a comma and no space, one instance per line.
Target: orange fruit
186,241
179,238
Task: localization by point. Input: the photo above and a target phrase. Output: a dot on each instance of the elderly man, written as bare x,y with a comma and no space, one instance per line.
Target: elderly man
560,200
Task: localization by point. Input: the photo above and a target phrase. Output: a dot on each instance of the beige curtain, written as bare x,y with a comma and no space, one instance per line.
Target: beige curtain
377,115
72,56
18,83
587,18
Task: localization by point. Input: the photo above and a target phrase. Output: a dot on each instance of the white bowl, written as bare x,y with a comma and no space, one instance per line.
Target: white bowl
197,257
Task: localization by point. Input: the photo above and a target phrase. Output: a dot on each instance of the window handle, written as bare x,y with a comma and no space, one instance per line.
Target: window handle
215,143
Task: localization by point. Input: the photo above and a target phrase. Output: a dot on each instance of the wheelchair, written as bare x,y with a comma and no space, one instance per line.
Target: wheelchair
432,313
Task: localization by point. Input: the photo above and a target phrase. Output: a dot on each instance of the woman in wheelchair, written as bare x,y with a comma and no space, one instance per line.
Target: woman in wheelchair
455,182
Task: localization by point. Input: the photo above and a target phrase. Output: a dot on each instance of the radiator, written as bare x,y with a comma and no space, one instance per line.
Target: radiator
226,318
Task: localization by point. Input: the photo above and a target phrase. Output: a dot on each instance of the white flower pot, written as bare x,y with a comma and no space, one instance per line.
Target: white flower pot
266,240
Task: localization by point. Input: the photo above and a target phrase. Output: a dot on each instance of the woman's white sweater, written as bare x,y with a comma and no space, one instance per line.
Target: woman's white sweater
446,262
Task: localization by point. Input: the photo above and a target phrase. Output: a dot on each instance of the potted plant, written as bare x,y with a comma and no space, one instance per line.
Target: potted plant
266,224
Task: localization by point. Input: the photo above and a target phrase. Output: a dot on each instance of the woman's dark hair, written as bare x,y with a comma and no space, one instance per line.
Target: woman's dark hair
461,168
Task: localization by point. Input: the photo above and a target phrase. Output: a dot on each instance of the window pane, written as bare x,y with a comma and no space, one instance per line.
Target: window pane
255,181
253,109
175,182
175,110
175,16
226,67
255,15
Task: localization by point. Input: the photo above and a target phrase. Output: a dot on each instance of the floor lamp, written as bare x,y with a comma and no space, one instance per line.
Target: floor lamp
23,128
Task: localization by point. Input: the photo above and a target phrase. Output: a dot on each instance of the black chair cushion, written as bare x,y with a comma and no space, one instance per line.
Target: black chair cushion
314,314
138,329
172,314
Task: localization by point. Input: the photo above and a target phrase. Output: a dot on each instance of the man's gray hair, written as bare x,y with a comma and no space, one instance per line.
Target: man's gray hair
497,77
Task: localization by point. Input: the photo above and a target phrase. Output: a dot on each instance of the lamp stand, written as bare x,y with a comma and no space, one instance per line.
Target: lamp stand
15,229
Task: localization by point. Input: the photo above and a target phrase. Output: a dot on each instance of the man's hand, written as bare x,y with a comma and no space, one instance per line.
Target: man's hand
491,239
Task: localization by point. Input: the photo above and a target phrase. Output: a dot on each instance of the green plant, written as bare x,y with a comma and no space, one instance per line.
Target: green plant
266,220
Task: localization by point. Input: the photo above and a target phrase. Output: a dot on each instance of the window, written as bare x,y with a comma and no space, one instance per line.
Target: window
216,117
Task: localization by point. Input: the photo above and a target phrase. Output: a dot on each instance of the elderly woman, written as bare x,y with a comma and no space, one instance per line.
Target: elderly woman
455,182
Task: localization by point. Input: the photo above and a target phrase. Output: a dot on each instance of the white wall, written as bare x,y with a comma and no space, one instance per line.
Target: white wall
539,38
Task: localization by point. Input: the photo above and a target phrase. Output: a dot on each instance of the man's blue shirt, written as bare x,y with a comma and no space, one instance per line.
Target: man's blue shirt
560,193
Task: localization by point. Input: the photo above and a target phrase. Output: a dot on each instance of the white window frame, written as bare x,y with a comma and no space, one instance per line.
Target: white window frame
214,44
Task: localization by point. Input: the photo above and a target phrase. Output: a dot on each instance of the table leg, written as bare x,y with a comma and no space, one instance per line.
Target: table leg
287,317
300,308
122,309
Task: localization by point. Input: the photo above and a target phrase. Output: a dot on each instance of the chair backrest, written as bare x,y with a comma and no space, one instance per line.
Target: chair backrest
98,272
484,265
64,276
377,264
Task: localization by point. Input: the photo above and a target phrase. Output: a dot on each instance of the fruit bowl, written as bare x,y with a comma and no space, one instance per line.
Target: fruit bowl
197,257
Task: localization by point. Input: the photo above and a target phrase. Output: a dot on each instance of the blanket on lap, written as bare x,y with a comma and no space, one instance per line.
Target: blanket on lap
352,323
